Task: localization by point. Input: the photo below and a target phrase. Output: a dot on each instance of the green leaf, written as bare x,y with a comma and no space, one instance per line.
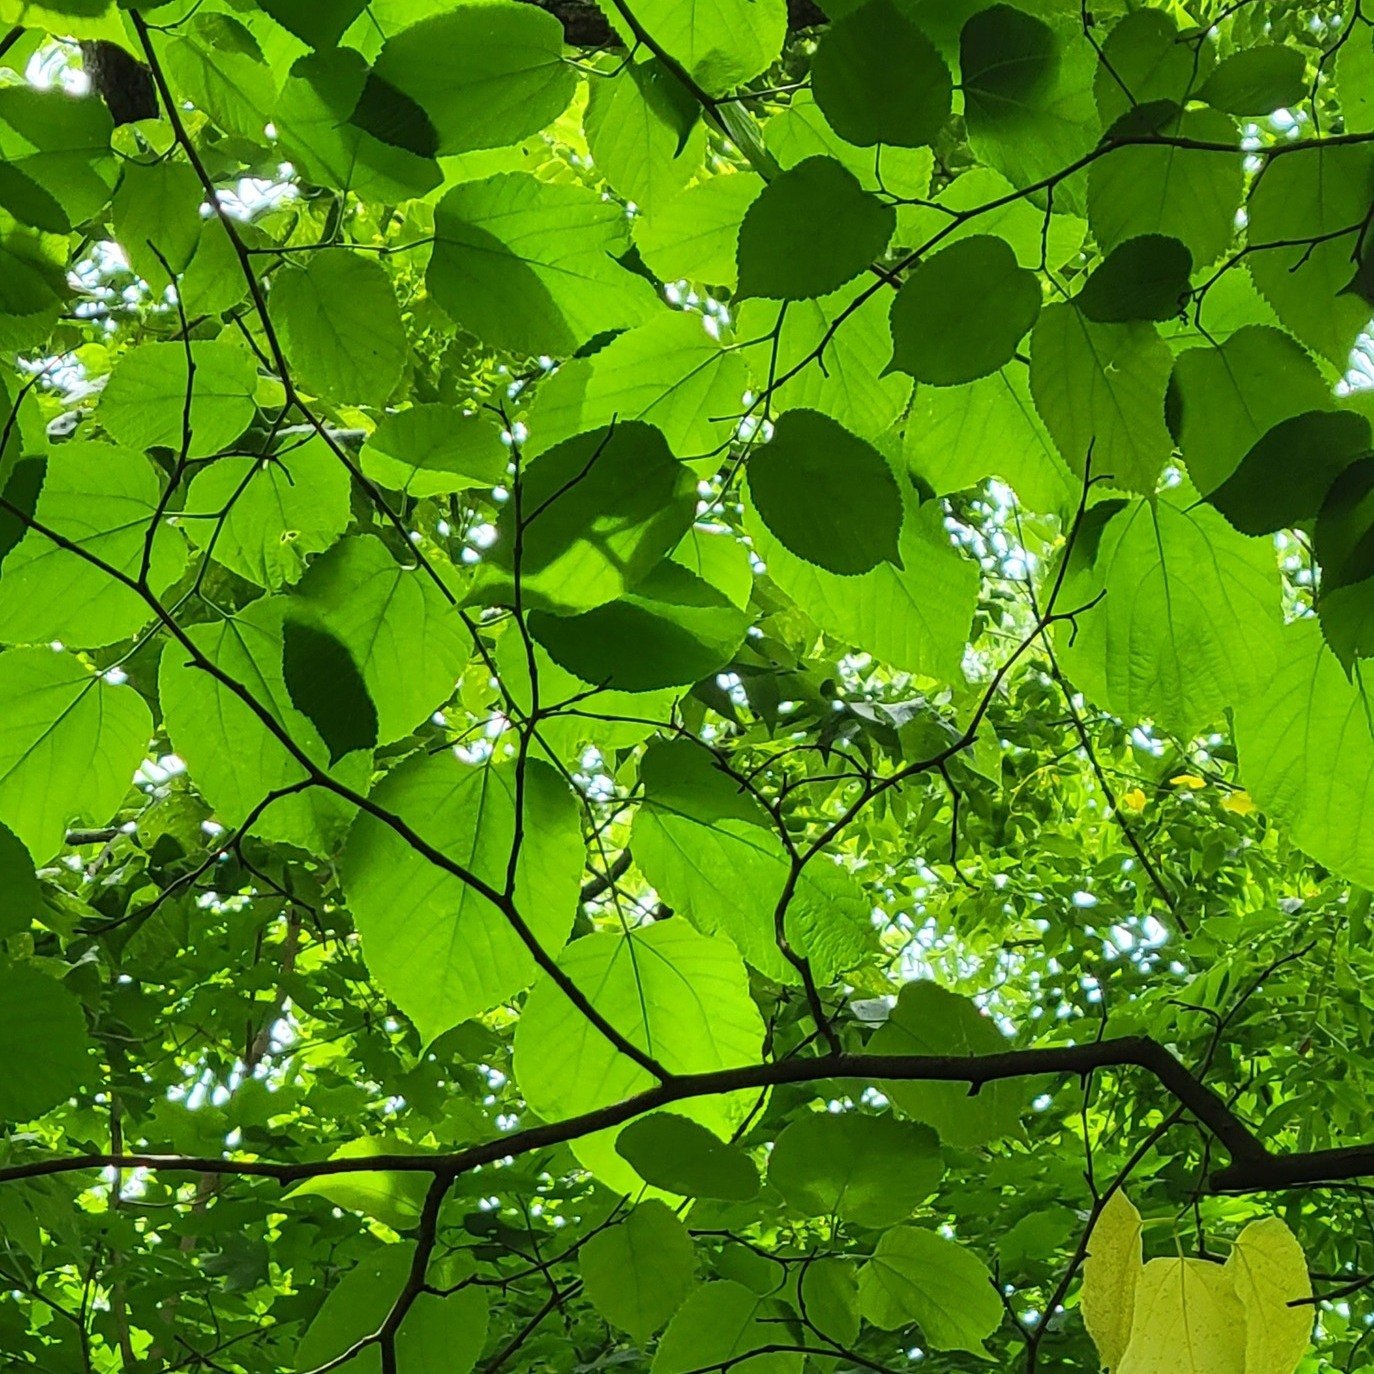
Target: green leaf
1049,236
215,63
961,314
155,215
879,79
870,1170
1257,81
1224,398
638,1273
1027,96
43,1038
1269,1271
852,387
1188,194
321,23
645,133
69,745
1111,1273
1355,80
144,402
530,267
439,949
1100,389
669,373
1146,62
918,1276
1189,620
720,43
56,168
676,1154
693,234
1143,278
21,896
101,500
915,616
264,517
326,687
929,1019
719,1327
711,851
341,326
595,514
394,1199
234,759
1187,1319
671,630
1341,543
669,990
431,449
487,75
312,117
438,1333
800,130
396,625
957,436
811,230
828,496
1313,194
32,284
1285,476
1306,751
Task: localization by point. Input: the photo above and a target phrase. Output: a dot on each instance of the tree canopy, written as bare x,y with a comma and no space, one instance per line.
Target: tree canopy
682,686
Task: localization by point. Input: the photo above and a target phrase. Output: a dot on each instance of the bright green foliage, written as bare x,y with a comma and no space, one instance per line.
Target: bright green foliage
341,326
870,1172
916,1275
445,951
680,680
638,1273
929,1019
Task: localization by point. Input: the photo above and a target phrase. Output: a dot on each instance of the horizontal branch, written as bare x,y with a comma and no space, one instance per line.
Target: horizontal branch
1252,1168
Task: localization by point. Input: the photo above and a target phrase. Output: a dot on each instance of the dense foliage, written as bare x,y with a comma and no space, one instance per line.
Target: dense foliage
683,686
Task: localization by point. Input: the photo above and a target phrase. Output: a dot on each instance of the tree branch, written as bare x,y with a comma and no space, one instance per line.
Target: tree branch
1253,1168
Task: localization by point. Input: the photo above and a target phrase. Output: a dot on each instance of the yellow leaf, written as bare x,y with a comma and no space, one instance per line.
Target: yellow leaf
1110,1274
1134,800
1188,1320
1189,780
1268,1270
1238,803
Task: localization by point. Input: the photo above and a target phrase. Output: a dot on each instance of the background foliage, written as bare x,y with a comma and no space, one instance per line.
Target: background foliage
681,680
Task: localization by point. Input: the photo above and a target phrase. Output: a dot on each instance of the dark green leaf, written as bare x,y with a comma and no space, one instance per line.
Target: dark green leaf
879,79
1145,278
963,312
326,686
1284,478
810,231
676,1154
827,495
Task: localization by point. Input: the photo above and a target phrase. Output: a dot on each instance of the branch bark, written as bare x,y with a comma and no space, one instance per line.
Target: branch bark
1253,1168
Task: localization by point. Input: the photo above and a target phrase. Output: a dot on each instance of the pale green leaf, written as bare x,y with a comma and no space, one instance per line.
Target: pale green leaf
441,950
69,745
